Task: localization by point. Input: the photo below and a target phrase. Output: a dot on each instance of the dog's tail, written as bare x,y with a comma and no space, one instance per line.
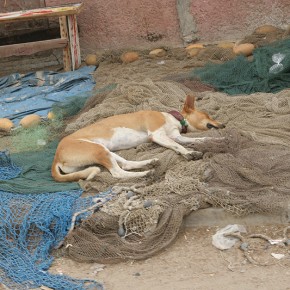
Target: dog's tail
59,175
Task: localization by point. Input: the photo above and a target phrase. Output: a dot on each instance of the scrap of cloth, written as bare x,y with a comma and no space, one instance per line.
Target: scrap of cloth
24,94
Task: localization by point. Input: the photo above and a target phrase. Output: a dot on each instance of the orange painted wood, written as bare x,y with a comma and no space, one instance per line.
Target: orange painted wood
69,9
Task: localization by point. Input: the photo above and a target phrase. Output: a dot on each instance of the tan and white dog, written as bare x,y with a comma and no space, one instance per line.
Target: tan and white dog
78,154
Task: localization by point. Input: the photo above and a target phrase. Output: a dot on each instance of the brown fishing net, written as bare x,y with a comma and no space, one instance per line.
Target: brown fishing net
246,172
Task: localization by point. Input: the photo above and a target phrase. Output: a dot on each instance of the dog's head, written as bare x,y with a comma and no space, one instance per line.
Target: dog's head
197,119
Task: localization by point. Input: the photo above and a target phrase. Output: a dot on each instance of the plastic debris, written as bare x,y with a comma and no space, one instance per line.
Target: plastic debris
278,66
222,242
278,256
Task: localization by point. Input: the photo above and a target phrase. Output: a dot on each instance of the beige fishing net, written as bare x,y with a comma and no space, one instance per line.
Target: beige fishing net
246,172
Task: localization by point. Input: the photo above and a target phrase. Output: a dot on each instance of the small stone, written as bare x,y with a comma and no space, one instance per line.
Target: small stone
121,231
147,203
41,142
130,194
278,256
244,246
137,274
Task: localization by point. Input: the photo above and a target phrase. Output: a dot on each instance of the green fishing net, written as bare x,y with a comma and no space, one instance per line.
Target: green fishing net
267,71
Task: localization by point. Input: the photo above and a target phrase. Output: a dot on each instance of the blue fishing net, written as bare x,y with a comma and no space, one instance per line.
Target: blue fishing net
8,169
31,225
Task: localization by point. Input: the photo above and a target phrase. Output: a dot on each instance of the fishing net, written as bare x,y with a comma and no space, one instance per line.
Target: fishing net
34,169
268,71
245,172
31,227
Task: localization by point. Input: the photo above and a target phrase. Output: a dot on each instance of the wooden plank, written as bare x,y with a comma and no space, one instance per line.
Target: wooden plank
69,9
32,47
74,41
66,51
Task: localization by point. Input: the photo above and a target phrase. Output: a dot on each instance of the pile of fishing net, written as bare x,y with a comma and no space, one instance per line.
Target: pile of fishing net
245,172
32,225
267,71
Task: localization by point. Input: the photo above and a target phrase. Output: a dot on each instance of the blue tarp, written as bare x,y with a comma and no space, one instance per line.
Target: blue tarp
24,94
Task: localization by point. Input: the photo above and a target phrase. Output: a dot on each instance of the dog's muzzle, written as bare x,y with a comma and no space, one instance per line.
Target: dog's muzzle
210,126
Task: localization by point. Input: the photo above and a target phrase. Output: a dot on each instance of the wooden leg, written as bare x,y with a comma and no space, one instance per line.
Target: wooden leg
74,41
67,62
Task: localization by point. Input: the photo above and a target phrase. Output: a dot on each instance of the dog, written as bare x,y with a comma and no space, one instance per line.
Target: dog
78,154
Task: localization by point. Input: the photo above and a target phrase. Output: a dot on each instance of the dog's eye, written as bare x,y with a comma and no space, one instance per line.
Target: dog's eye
210,126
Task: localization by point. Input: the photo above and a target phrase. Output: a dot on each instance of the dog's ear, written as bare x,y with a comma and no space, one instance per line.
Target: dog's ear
189,104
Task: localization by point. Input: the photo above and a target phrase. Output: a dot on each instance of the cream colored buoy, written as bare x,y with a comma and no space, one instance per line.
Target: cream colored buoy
226,45
264,29
195,45
129,56
193,52
158,52
91,59
6,124
50,116
245,49
30,121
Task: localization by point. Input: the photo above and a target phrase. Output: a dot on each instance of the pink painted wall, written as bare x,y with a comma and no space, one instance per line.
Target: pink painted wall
233,19
116,24
113,24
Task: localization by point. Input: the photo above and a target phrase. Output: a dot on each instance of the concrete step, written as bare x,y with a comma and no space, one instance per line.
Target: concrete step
219,217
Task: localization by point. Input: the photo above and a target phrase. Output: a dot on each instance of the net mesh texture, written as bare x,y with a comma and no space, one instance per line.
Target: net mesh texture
32,225
244,173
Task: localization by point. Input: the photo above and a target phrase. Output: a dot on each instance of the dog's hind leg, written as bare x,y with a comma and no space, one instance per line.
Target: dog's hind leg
118,172
128,165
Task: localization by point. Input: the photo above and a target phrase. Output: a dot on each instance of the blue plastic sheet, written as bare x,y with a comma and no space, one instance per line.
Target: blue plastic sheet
24,94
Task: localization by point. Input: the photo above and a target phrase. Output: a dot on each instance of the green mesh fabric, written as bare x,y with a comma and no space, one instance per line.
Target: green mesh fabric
35,176
75,104
268,71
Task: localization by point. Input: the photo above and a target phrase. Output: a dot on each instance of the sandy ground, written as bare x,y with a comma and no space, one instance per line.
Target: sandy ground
193,263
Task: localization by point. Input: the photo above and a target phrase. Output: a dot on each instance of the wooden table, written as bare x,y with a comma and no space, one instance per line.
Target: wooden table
69,40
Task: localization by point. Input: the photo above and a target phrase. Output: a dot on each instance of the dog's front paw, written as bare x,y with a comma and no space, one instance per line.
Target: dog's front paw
193,155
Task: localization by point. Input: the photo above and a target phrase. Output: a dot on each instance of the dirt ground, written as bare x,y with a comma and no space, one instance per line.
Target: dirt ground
193,263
